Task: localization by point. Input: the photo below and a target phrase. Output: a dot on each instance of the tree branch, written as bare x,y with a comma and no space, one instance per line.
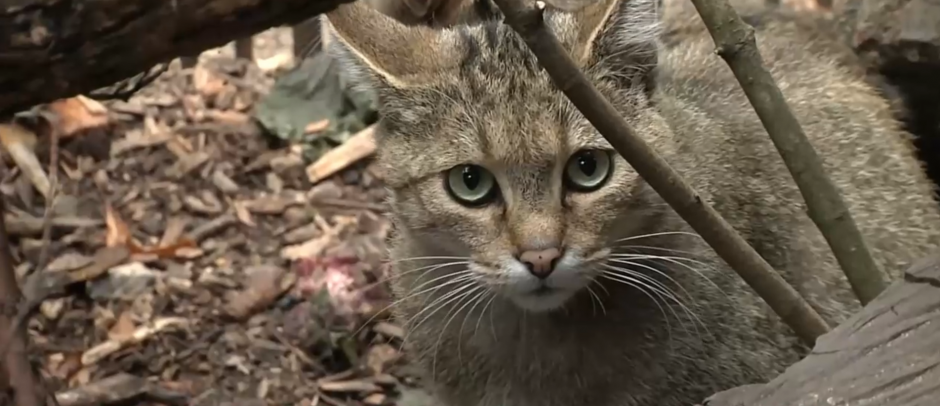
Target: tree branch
738,47
886,354
51,49
726,242
19,372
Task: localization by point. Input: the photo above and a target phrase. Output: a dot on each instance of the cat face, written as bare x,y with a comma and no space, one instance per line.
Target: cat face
489,163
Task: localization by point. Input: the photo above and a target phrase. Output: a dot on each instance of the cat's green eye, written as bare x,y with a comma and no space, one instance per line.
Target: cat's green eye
471,185
587,170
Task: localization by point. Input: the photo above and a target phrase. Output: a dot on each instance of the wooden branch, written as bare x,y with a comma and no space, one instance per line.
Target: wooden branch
887,354
726,242
51,49
18,371
737,46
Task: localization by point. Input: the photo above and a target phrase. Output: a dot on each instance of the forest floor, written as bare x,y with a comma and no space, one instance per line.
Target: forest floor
200,264
200,259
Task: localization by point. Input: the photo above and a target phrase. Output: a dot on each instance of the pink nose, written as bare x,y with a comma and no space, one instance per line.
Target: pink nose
541,263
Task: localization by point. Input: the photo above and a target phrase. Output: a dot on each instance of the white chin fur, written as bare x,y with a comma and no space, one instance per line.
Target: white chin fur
542,303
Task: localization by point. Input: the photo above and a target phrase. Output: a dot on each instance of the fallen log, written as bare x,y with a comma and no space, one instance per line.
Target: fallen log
887,354
51,49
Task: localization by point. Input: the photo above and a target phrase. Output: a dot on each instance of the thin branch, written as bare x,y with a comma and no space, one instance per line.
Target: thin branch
44,254
726,242
26,308
19,372
11,338
737,46
124,89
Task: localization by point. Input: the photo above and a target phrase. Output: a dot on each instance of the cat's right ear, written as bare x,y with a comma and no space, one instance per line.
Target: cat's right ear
397,55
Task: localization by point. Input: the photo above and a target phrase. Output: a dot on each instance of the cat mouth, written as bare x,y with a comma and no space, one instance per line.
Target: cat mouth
542,298
543,290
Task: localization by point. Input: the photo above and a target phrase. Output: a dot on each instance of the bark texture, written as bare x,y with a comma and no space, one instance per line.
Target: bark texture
887,354
51,49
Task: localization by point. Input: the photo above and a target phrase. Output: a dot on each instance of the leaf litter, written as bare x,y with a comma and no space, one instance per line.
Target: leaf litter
193,260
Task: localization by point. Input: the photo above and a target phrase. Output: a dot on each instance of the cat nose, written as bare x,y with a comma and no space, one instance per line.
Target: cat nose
541,263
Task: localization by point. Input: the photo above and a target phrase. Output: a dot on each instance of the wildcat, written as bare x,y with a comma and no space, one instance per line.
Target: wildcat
534,267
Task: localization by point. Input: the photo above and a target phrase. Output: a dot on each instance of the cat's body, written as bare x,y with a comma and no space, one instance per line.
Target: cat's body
475,95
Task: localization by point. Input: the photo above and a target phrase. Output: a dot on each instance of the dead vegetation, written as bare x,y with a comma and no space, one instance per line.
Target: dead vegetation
188,258
191,258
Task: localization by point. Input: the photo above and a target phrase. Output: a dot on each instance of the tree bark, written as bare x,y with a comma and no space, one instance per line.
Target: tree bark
887,354
50,49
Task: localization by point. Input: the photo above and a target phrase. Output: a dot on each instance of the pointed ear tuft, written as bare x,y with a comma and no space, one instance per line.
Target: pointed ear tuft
397,54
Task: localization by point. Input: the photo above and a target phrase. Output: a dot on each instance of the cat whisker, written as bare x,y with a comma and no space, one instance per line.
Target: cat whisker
633,283
647,247
399,260
623,261
411,293
428,268
677,261
482,312
455,308
596,298
650,235
662,288
657,288
439,303
478,293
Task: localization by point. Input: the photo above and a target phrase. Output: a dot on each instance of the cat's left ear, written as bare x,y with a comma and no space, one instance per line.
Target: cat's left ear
629,28
378,50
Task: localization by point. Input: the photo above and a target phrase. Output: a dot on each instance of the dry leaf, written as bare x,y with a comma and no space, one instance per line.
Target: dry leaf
269,204
118,233
137,138
350,386
68,262
389,330
375,399
92,106
173,231
805,5
206,82
106,258
242,213
78,113
381,356
228,116
123,329
98,352
64,365
278,61
81,378
308,249
266,285
20,143
181,248
317,126
357,147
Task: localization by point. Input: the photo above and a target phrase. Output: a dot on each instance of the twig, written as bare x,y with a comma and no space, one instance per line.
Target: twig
737,46
121,388
47,217
124,89
19,372
25,309
726,242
